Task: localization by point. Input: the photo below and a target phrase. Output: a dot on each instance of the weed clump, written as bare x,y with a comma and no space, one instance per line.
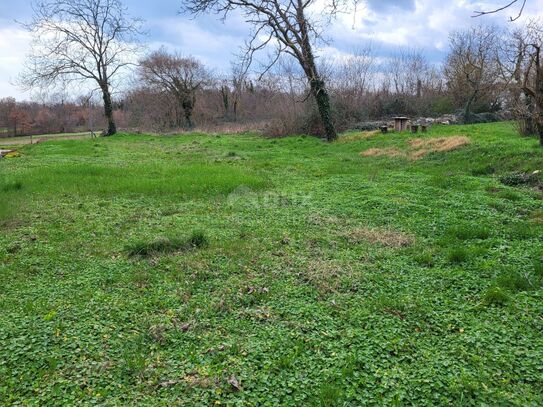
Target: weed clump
509,195
12,186
495,296
424,258
164,245
538,267
458,255
483,170
513,282
468,232
198,239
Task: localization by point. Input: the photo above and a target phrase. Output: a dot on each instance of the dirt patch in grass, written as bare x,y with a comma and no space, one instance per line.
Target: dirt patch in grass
420,147
383,237
326,275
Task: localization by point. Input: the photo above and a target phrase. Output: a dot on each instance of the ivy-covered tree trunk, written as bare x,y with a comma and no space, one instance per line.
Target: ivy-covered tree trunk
188,107
108,111
316,83
318,89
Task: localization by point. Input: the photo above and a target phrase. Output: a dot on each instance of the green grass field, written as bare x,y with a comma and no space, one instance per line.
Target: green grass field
236,270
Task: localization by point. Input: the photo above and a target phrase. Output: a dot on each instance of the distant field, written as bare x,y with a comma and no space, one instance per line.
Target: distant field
11,141
205,270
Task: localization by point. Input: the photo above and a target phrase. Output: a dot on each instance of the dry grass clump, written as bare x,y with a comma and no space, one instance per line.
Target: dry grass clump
377,152
324,275
363,135
383,237
318,219
420,147
424,146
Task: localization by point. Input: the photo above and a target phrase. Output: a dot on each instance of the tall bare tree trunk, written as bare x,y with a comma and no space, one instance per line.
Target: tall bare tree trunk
538,99
467,108
225,100
108,111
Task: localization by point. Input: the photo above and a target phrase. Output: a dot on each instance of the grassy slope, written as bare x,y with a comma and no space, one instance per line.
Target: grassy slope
280,298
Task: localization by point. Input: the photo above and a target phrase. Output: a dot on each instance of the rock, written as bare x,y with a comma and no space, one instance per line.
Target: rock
3,153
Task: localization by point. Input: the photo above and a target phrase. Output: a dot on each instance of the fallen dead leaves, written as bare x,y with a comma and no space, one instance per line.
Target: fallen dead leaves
420,147
234,383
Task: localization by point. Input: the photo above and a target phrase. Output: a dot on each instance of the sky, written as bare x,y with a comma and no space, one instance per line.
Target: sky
387,24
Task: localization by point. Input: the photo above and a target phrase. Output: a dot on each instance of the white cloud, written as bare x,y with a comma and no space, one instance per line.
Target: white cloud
14,45
387,24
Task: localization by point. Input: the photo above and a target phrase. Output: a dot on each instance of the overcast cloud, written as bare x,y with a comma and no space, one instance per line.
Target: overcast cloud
387,24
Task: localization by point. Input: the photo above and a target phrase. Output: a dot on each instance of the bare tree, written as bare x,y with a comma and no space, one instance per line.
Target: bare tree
80,40
179,76
408,71
471,68
355,73
291,28
524,65
504,7
231,90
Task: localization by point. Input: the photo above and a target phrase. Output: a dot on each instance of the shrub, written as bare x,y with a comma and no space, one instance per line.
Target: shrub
521,178
368,126
474,118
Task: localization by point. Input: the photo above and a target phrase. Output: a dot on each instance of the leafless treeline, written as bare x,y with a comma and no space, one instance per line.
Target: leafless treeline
56,115
487,70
